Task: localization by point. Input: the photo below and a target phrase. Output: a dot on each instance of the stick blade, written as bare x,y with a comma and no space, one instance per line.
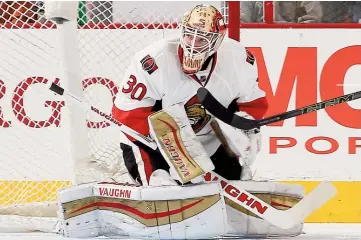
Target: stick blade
56,89
311,202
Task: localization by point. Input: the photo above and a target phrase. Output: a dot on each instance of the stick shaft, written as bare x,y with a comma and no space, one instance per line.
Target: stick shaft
76,100
311,108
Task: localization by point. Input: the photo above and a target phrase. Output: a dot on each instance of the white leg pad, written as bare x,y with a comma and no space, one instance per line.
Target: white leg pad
156,212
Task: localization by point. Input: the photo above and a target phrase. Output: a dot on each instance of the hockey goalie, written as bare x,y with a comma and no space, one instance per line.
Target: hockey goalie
169,195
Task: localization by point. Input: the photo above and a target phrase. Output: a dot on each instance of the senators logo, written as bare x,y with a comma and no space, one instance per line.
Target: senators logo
148,64
196,114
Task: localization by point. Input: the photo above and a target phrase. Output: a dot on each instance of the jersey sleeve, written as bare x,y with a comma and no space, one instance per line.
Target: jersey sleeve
138,93
250,98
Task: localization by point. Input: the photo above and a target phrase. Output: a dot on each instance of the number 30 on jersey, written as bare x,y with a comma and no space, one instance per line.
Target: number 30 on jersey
137,90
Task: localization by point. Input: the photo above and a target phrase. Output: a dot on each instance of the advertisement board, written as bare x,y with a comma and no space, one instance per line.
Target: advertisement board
297,67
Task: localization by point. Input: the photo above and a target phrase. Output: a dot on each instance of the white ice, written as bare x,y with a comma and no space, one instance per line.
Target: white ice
312,232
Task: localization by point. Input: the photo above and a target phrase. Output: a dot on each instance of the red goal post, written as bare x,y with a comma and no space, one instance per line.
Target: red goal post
46,143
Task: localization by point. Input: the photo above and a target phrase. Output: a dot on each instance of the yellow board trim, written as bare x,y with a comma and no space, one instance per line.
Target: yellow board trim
345,207
22,192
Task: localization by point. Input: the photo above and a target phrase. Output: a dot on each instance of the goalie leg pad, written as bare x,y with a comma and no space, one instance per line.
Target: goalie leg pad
161,212
280,196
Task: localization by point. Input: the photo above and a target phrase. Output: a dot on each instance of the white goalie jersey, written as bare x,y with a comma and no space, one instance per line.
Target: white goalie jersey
155,75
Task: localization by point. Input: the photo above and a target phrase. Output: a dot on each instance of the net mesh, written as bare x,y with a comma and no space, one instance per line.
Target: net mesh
109,35
35,159
31,149
105,53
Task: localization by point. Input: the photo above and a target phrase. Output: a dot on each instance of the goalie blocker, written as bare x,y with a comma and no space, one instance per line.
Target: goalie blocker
169,212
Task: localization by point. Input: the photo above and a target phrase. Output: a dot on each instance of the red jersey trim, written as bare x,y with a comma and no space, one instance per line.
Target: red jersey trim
214,62
137,119
256,108
148,169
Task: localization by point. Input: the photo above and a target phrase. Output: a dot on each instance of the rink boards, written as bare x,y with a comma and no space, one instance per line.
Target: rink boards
324,145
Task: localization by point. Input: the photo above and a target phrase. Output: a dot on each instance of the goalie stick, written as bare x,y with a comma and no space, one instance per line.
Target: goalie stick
143,139
282,219
219,111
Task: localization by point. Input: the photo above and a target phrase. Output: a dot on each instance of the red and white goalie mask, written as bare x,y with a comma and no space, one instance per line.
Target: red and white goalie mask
202,32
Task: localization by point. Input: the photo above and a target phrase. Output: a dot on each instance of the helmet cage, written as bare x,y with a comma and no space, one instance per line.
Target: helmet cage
199,42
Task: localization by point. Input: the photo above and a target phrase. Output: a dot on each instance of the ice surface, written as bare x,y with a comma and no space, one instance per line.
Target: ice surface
312,232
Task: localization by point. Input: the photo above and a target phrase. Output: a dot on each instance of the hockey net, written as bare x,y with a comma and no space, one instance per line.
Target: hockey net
39,141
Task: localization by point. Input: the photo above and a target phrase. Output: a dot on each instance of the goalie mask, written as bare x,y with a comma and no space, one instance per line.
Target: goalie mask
202,31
